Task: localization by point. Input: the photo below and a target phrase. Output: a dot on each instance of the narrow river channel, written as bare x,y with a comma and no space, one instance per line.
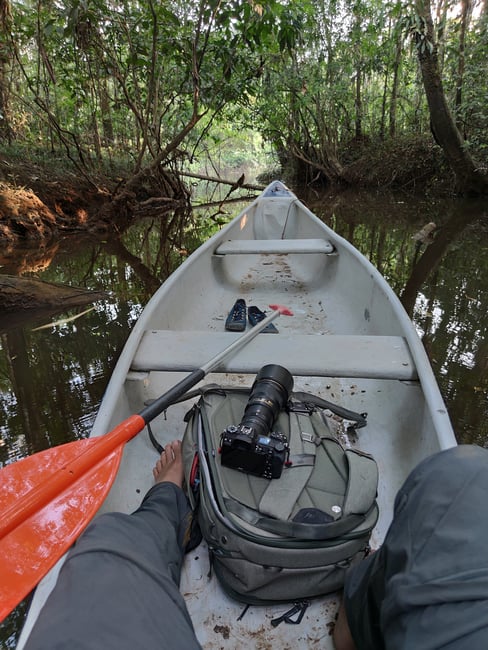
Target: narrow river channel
54,369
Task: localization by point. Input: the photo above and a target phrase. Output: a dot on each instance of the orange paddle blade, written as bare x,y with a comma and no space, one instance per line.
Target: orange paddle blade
37,542
47,500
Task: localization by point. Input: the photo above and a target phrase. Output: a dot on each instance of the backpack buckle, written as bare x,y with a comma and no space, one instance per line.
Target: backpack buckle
299,607
307,408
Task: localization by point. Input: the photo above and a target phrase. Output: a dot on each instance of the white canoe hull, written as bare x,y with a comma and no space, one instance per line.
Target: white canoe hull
350,341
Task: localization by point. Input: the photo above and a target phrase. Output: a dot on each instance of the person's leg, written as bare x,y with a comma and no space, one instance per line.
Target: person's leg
119,585
432,568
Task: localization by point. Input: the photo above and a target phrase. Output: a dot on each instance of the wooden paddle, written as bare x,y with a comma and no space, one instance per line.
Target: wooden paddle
48,499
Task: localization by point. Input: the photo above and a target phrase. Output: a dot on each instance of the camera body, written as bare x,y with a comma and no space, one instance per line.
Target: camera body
259,455
252,446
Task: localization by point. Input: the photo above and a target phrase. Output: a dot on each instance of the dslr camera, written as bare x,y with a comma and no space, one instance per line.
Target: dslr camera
252,446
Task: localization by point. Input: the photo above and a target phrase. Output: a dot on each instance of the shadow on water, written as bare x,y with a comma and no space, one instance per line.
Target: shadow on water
52,380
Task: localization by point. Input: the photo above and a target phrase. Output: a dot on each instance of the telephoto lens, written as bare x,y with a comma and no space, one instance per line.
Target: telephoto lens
269,394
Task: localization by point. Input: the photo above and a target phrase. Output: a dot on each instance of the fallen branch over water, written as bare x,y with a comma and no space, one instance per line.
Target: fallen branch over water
30,293
215,179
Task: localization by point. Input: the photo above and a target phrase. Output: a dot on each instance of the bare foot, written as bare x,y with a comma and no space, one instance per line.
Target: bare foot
169,467
342,634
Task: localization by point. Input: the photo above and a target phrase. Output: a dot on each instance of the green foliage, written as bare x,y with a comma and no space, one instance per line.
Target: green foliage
97,79
137,76
357,80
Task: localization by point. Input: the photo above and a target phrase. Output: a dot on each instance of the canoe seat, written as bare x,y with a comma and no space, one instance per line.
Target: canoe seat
380,357
276,246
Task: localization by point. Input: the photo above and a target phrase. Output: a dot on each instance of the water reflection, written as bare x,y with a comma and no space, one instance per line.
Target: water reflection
52,380
459,216
443,286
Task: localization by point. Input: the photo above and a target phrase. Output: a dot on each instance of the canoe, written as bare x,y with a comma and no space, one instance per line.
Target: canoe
350,341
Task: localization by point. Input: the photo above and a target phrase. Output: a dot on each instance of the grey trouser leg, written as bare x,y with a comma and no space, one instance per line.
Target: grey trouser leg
119,586
427,587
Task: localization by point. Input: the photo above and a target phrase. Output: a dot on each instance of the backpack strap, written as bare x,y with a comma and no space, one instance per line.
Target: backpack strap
313,401
362,484
281,494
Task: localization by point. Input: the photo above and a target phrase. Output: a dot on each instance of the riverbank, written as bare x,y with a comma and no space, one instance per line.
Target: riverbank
44,197
39,200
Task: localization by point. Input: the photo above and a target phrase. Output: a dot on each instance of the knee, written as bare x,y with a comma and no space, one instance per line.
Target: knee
453,466
468,456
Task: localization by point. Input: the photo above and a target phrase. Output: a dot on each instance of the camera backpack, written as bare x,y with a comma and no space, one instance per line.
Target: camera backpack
289,538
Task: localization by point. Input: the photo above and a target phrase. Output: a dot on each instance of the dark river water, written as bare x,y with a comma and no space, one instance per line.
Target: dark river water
54,368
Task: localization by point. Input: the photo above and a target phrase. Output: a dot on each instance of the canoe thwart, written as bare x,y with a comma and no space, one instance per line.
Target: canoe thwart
273,246
379,357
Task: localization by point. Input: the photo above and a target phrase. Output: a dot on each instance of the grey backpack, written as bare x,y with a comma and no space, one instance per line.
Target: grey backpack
288,538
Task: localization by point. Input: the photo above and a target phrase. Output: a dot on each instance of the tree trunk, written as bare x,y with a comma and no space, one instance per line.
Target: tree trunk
107,125
5,62
358,104
466,9
469,176
395,84
358,101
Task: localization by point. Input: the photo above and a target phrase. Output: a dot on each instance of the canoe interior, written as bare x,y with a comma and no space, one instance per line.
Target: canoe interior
332,291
